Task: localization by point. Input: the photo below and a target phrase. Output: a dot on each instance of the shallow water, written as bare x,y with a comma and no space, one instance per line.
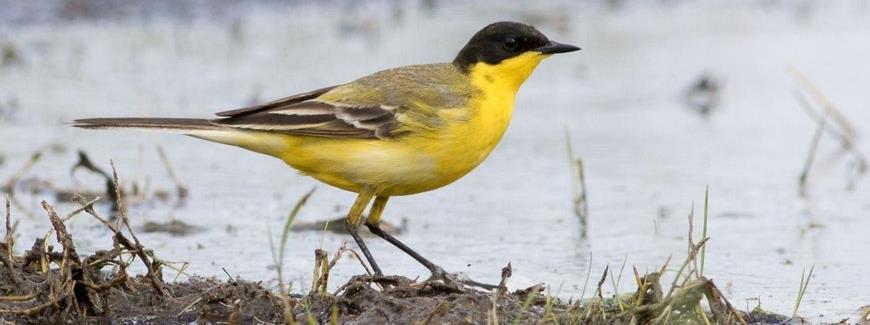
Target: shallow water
647,156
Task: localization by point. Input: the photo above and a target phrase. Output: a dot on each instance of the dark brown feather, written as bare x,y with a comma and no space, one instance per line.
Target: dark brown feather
274,121
145,122
276,103
317,118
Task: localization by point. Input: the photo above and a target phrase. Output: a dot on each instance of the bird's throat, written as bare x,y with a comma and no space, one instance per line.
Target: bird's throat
506,76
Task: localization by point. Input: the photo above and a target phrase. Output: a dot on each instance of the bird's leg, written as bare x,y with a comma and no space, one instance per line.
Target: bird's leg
373,222
354,216
438,273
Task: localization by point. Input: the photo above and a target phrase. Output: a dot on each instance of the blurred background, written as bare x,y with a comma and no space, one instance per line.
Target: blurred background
665,99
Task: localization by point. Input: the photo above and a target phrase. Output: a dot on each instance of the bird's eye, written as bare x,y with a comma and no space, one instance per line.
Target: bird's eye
511,43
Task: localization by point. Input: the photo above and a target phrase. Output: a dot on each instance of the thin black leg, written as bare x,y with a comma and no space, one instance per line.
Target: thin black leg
436,270
354,232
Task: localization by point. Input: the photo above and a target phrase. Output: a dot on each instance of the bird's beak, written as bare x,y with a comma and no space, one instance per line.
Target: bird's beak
556,47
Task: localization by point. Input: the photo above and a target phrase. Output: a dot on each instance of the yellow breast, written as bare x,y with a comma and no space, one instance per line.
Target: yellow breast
428,159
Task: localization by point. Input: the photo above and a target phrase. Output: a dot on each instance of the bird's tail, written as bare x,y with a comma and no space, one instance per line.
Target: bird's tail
269,143
172,125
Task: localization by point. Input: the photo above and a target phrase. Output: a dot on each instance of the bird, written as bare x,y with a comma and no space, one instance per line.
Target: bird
703,94
396,132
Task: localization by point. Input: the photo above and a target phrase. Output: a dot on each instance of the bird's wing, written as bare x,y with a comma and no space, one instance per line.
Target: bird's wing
383,105
318,117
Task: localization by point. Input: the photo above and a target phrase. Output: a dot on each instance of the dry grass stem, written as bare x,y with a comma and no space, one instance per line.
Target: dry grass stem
844,131
805,282
811,156
181,190
578,181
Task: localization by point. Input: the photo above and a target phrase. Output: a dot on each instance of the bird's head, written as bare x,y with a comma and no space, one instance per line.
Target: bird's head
509,51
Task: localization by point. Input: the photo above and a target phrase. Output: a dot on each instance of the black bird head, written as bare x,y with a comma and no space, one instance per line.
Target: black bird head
505,40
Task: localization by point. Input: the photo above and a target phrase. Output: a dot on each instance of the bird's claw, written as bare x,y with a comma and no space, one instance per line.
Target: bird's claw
455,281
383,280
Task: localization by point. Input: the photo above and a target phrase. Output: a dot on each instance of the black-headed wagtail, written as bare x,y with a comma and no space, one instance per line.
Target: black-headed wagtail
400,131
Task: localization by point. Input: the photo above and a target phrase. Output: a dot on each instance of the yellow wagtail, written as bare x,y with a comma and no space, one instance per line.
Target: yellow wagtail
395,132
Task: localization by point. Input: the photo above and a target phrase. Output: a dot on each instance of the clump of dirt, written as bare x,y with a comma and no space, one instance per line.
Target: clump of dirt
198,299
405,301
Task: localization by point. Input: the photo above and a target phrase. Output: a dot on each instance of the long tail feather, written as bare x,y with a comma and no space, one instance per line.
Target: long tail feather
269,143
175,125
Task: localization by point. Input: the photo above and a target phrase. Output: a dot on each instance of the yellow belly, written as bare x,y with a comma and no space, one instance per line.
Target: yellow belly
406,165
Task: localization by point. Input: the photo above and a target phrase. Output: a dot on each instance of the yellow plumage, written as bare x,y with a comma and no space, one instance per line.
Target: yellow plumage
428,158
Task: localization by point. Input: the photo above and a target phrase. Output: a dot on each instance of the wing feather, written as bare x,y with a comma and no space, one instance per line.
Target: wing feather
384,105
319,118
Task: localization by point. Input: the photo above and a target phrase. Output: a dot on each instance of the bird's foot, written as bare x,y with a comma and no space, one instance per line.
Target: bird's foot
384,281
455,281
389,280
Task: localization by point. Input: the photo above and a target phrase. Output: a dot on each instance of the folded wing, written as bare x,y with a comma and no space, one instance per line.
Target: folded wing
319,118
383,105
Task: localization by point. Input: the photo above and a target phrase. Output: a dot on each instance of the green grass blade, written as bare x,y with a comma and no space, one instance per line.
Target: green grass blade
288,224
704,229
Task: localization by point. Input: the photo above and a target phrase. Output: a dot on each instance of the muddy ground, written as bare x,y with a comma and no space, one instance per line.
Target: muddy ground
136,301
52,283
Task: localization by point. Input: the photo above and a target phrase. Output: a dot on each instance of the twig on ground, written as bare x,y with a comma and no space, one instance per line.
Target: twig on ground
692,254
321,271
597,298
35,309
63,236
506,273
723,311
10,233
6,258
153,267
598,291
492,314
323,268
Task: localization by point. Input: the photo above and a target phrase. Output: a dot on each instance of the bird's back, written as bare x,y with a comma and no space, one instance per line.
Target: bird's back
417,94
438,84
